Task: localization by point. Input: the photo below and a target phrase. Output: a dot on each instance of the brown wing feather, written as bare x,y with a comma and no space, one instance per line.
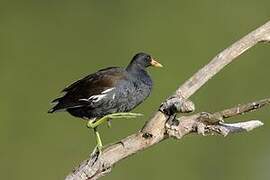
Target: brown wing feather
84,88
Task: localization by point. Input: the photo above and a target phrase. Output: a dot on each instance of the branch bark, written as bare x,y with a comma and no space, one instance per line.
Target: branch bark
165,124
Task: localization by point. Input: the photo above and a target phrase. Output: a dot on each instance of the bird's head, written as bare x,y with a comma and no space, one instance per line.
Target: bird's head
143,61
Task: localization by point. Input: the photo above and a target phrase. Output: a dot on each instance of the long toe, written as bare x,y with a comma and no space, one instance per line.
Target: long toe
124,115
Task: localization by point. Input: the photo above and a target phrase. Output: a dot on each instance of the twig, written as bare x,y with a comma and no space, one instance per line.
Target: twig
241,109
212,123
155,130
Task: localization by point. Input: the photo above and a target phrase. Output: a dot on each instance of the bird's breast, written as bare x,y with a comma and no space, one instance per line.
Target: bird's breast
133,94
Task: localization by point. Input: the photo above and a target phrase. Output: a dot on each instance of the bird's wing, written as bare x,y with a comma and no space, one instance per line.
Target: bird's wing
101,72
90,90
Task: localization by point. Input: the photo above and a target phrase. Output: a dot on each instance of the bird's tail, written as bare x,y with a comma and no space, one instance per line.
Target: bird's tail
52,110
56,107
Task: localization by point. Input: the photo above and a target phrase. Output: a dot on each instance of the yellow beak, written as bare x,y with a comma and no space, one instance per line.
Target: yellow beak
155,63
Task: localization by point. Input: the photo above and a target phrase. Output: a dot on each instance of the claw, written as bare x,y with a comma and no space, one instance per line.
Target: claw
109,123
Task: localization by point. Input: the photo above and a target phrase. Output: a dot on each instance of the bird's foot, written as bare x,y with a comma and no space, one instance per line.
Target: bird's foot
97,151
107,118
124,115
95,123
121,116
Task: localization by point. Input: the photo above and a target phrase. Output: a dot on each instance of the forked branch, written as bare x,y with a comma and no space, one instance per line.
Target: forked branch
213,123
164,124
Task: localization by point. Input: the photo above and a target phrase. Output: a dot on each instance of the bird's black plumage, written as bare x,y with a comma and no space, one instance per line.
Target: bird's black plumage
109,90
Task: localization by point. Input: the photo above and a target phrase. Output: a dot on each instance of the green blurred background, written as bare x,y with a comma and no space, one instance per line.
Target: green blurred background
45,45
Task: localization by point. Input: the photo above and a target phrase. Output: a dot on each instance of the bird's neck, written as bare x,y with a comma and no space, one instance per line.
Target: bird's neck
140,73
132,67
135,69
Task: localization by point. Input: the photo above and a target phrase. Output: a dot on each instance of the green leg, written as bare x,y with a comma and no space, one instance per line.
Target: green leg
95,123
99,142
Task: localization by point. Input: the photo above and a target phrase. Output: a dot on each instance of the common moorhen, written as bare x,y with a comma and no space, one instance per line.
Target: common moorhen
109,93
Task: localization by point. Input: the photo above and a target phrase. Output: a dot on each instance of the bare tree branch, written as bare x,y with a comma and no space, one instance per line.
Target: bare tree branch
156,129
209,123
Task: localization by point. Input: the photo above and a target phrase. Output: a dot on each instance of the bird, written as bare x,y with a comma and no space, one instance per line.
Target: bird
109,93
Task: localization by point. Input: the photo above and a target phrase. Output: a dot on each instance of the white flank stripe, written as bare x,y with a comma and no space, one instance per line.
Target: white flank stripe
97,98
107,90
